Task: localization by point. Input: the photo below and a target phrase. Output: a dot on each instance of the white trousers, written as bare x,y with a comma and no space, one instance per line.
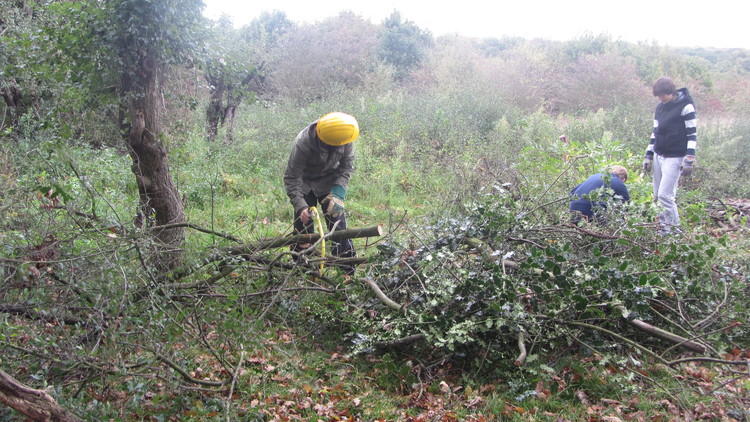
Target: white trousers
666,176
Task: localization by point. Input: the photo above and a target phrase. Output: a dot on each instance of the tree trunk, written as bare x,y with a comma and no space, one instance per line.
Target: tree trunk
37,405
234,98
160,202
14,103
229,114
215,109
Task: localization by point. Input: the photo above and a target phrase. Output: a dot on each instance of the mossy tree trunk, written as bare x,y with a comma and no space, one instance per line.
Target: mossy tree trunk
160,202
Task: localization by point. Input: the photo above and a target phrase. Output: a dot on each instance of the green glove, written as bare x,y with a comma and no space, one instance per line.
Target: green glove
333,206
648,164
687,167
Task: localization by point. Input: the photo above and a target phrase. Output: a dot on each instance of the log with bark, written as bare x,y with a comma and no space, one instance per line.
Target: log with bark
37,405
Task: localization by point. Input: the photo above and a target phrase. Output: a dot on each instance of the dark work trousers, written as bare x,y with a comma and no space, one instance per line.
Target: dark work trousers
577,216
342,249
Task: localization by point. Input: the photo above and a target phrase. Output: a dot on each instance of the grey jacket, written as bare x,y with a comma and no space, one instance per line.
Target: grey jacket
315,166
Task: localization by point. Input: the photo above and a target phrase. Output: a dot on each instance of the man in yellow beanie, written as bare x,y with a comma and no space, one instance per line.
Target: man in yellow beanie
318,171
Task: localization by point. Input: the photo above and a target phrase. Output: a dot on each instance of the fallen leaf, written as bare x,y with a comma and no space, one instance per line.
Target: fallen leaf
444,387
583,397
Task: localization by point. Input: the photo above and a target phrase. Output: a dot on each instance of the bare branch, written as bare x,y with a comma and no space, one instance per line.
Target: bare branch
380,295
184,373
711,360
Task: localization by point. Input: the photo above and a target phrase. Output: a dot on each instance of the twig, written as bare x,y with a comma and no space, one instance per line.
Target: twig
613,334
197,228
234,380
248,250
731,381
391,230
702,336
709,359
184,373
76,212
707,319
661,333
275,297
570,165
312,247
669,320
205,342
531,242
265,292
674,398
554,201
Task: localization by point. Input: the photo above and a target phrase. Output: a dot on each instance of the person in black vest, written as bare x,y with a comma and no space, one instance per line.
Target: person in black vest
589,199
671,152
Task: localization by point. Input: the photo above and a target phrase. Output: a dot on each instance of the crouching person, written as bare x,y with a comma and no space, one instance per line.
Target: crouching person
589,199
318,172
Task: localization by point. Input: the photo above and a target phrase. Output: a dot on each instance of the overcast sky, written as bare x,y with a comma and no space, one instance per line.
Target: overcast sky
687,23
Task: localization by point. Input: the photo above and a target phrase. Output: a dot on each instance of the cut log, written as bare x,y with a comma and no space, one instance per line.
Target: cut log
280,242
248,250
37,405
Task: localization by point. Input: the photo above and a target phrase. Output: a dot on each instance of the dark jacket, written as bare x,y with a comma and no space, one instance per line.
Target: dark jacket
675,130
595,190
315,167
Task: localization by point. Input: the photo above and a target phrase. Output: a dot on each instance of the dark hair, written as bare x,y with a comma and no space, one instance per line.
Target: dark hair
664,86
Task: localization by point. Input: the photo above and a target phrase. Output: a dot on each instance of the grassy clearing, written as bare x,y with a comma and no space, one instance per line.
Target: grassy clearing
297,350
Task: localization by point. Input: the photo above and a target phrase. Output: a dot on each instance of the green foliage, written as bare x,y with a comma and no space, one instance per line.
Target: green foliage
461,301
341,49
267,30
724,167
402,44
227,59
137,29
493,47
588,44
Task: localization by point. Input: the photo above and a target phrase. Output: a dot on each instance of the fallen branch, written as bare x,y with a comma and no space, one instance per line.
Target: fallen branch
37,405
196,228
404,341
711,360
379,293
261,293
27,311
613,334
487,251
663,334
184,373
